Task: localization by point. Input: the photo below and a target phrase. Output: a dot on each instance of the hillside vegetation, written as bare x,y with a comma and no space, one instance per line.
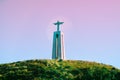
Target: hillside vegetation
58,70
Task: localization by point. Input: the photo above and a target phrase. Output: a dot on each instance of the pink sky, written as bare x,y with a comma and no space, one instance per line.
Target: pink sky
92,29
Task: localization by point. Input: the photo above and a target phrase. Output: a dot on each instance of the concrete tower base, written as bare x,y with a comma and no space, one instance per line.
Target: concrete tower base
58,45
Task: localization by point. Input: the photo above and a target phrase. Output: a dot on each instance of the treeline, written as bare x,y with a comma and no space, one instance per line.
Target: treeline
58,70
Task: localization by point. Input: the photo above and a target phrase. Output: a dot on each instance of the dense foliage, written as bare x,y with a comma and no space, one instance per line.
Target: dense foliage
58,70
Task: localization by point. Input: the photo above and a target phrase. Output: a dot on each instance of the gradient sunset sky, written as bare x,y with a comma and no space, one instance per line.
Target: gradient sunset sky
91,29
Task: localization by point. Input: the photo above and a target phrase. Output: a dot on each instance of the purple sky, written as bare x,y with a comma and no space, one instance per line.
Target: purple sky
92,29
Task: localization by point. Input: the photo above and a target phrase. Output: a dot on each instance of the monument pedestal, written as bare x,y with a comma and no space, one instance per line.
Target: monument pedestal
58,45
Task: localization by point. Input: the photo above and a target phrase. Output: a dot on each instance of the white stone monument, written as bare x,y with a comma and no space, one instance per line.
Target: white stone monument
58,43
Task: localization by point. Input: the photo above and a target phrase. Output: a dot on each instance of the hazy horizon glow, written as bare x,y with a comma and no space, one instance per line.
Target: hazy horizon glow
91,29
